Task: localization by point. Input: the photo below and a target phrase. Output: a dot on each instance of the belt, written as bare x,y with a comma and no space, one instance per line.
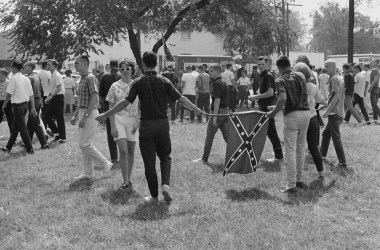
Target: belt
21,103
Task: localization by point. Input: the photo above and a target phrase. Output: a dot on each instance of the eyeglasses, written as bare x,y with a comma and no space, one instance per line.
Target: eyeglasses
127,68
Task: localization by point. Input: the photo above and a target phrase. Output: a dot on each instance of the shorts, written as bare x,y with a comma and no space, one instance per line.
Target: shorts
124,126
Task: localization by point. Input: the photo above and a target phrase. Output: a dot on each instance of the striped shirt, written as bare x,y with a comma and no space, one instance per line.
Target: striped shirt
87,85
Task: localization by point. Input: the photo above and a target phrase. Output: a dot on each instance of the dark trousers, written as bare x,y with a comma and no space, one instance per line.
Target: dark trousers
192,99
55,109
172,110
34,126
8,115
203,103
44,110
374,97
358,100
332,131
243,95
154,139
19,126
312,138
272,134
112,146
231,97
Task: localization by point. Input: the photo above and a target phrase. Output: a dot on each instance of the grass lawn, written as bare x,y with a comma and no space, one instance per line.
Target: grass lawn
38,210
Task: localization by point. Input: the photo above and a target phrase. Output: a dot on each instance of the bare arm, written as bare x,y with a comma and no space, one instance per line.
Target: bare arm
188,104
117,108
279,105
267,94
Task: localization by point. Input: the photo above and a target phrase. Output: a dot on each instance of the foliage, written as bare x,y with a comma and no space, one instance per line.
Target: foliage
329,31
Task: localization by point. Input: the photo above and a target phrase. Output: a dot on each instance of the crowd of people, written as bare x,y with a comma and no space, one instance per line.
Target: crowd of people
135,106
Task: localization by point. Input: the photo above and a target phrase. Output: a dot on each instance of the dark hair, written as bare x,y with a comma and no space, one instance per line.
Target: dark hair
283,62
304,59
357,66
188,67
30,64
54,62
228,65
68,72
244,71
150,59
261,58
17,64
346,66
201,67
367,65
193,67
84,58
128,62
216,67
43,64
205,65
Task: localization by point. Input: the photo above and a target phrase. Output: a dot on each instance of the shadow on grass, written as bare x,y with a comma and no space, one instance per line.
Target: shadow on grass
151,211
81,185
315,191
270,167
216,167
118,196
252,194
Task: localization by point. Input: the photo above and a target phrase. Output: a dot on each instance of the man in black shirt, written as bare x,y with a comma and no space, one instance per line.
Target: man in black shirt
174,80
255,82
264,99
106,81
349,85
219,105
154,93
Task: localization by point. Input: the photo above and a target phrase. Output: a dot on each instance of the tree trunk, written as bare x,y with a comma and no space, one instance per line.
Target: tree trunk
135,47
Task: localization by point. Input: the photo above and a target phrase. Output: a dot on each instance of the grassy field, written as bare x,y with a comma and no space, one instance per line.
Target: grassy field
39,209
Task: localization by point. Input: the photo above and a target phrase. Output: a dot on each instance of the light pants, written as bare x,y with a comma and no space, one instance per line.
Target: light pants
91,156
295,131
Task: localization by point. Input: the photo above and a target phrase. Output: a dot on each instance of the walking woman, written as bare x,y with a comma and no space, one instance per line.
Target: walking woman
69,83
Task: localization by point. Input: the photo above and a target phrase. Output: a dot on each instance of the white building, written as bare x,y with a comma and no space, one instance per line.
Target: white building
357,58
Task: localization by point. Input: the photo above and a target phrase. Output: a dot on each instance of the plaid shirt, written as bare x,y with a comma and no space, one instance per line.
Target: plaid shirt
87,86
3,88
154,92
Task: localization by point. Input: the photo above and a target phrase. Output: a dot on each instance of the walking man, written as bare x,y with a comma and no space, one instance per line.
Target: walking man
87,111
334,114
56,103
3,93
292,95
44,76
229,78
203,85
154,93
349,85
189,85
265,99
374,90
19,92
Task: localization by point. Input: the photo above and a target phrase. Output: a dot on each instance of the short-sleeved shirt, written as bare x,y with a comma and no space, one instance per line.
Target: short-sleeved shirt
118,91
36,85
313,97
190,80
336,88
266,82
243,81
20,88
56,80
154,92
374,72
69,82
45,77
219,90
106,82
228,77
293,84
87,85
359,84
203,83
3,90
349,84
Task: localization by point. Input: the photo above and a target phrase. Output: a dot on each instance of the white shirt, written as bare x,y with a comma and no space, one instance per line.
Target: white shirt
244,81
44,75
360,84
195,73
228,77
190,80
20,88
324,85
313,96
56,79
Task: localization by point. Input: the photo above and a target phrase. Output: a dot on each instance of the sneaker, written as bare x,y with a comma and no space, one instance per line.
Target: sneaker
82,177
274,160
165,193
48,131
301,185
46,146
62,141
4,149
56,139
150,199
127,187
200,160
289,190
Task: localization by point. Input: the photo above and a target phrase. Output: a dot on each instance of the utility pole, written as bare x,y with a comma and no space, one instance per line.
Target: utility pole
351,22
288,27
283,37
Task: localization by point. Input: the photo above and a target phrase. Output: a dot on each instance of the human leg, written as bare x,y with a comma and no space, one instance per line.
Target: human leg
302,123
312,143
335,122
374,96
348,101
360,101
290,142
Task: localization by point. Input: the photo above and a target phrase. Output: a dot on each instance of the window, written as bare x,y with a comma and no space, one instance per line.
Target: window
185,34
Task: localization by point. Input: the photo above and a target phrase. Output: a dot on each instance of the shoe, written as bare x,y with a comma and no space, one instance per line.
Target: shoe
56,139
345,122
274,160
4,149
46,146
62,141
107,167
48,131
368,122
301,185
115,161
289,190
82,177
30,152
200,160
127,187
150,199
165,193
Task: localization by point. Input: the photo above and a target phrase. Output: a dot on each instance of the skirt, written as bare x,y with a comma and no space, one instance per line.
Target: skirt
69,97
